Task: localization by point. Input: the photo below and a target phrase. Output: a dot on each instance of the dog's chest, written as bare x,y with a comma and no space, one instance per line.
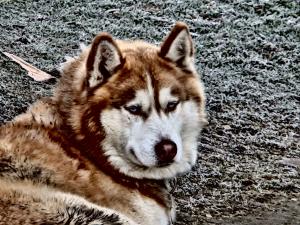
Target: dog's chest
148,211
137,206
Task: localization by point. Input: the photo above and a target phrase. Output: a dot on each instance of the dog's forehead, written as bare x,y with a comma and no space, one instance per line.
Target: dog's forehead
146,74
159,85
142,60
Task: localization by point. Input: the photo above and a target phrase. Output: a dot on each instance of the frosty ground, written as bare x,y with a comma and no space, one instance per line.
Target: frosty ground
248,54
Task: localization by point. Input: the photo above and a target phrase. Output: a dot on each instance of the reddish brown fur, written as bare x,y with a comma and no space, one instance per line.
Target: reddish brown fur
75,132
115,92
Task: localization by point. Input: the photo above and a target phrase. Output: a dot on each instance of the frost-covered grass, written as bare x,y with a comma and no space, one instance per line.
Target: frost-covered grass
248,53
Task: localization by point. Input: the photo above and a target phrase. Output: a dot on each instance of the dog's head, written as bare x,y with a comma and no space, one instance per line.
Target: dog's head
145,104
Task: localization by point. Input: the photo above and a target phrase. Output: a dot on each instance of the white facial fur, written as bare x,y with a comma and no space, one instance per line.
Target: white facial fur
126,132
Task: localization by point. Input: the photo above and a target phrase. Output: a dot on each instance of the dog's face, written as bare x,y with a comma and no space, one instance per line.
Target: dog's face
152,103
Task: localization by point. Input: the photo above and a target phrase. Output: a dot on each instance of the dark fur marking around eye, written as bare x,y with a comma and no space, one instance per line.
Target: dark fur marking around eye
171,106
136,110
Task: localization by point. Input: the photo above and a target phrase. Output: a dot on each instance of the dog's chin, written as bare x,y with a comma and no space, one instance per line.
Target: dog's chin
140,171
137,164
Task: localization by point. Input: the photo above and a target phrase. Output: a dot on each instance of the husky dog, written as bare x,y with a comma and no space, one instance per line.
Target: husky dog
123,120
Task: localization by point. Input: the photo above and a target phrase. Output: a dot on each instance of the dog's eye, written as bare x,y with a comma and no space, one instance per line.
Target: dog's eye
134,109
171,106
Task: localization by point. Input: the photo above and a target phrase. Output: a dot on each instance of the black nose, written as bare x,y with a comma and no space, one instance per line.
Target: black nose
165,151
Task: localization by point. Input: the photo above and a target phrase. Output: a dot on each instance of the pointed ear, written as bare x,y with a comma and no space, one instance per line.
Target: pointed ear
104,59
178,47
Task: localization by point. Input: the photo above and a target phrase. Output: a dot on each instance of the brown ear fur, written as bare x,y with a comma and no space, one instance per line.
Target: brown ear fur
178,45
104,59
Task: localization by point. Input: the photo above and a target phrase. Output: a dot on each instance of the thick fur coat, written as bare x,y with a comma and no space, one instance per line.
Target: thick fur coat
123,119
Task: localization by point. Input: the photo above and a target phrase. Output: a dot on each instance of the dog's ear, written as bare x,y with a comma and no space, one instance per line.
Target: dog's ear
104,59
178,46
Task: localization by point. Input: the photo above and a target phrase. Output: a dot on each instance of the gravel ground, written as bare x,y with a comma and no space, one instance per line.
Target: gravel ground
248,53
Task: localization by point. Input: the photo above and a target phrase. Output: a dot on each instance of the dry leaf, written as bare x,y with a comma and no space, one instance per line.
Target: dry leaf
33,72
